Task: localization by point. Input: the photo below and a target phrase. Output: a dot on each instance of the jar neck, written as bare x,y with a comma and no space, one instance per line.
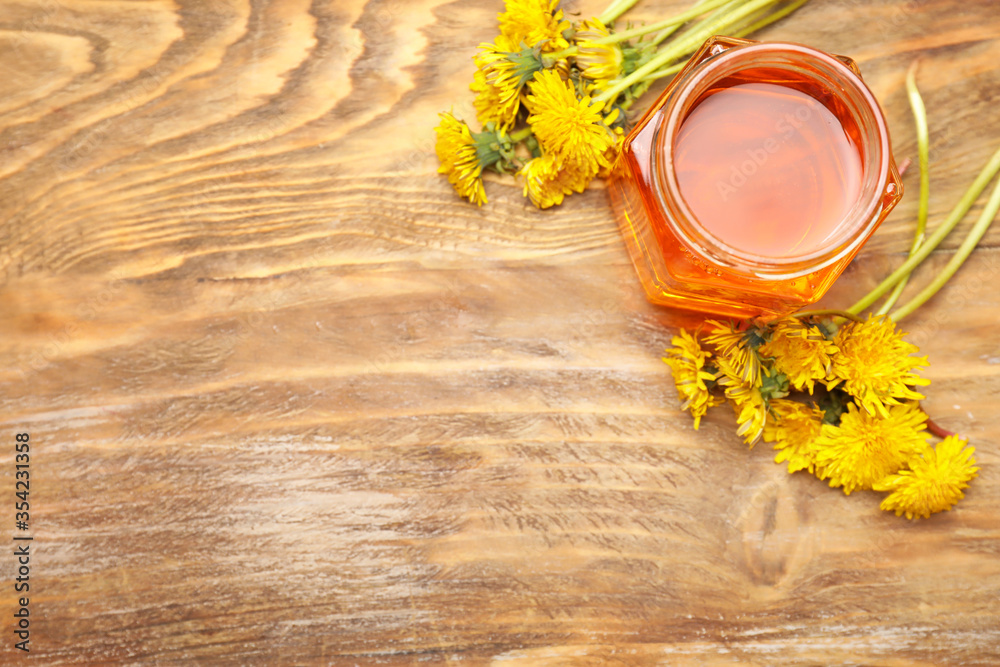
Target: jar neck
794,66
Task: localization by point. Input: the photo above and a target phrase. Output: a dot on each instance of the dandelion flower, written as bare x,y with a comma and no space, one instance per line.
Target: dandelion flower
490,107
736,346
746,399
793,429
865,448
534,22
599,63
545,183
800,352
507,68
615,121
934,481
687,364
571,129
463,156
751,411
874,364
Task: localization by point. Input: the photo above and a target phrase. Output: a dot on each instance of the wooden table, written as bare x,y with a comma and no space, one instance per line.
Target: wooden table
291,401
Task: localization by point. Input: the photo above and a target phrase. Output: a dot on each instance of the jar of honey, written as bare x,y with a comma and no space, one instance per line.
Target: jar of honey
754,179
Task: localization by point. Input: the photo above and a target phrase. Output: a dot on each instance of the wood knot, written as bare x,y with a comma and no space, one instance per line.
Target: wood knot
772,528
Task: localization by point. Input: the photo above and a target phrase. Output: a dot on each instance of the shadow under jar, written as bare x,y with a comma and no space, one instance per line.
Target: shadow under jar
754,179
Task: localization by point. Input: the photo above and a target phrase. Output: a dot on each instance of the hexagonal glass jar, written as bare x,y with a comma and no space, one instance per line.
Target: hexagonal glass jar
686,264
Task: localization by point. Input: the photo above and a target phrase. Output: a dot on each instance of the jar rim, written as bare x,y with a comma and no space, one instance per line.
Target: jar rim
878,179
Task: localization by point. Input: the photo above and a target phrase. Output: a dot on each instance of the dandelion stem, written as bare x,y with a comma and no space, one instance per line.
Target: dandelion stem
743,32
731,13
666,71
615,9
667,32
802,314
520,135
920,119
549,59
932,242
934,428
770,18
968,245
680,19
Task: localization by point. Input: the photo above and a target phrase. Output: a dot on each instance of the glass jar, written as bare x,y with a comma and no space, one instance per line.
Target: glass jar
754,179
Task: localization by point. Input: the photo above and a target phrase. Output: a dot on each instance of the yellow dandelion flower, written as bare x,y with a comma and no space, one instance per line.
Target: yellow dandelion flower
599,63
571,129
615,121
735,346
746,399
874,364
801,352
793,428
546,183
751,411
490,107
534,22
934,481
507,68
865,448
463,155
687,365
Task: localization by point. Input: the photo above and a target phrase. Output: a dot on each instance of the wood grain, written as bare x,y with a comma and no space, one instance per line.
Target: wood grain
291,401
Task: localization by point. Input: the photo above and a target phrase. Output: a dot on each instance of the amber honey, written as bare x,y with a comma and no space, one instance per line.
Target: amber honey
751,183
766,168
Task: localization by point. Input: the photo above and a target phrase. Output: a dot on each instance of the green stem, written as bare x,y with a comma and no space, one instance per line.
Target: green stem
549,59
666,71
616,9
667,32
676,67
968,245
932,242
520,135
609,10
827,311
684,45
920,119
770,18
743,32
679,19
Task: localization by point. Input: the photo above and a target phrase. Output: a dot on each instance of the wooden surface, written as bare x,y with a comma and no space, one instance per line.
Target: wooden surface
291,401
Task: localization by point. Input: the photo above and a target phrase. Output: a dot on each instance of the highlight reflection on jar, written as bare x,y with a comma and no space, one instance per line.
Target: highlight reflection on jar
754,179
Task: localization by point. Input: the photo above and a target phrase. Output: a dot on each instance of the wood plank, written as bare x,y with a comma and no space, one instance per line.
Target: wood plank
291,401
